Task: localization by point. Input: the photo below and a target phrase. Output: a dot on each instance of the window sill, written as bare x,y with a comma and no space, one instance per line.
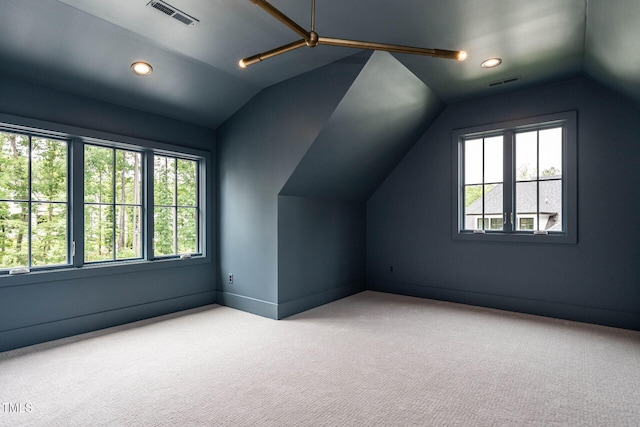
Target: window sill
551,238
98,269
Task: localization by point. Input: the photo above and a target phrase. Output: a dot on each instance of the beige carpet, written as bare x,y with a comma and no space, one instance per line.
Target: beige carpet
370,359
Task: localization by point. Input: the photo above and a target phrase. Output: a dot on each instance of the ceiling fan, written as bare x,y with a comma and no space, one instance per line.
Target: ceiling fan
312,39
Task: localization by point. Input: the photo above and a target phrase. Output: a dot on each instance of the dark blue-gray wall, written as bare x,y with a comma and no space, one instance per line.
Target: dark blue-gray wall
313,207
258,149
45,306
296,166
321,251
596,280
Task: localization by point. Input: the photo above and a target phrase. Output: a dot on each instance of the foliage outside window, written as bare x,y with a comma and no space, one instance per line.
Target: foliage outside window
68,200
33,201
517,178
113,204
175,206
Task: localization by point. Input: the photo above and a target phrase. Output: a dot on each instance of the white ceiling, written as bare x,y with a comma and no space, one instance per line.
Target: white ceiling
87,46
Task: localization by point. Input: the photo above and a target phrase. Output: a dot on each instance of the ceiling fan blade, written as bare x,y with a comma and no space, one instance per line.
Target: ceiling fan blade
438,53
267,7
271,53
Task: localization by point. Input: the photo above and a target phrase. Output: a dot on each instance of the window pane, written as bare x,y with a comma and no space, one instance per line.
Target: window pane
493,159
128,178
98,174
98,233
473,206
493,201
164,180
128,238
49,233
473,161
187,230
550,153
49,170
492,216
14,166
526,156
187,183
164,224
551,205
526,200
14,241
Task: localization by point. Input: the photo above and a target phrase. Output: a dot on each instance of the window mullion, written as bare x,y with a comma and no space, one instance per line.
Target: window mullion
76,210
29,204
483,187
147,205
537,181
460,160
508,179
113,204
175,207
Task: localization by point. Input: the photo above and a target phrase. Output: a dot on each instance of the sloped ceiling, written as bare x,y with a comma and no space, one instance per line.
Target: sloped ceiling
383,113
87,46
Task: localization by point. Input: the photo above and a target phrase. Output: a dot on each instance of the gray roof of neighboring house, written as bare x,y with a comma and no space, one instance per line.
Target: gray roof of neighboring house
550,197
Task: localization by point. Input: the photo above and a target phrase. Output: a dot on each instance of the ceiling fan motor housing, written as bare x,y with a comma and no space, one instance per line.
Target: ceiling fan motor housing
313,39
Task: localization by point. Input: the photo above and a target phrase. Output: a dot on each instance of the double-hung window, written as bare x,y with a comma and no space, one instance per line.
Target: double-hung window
516,181
70,200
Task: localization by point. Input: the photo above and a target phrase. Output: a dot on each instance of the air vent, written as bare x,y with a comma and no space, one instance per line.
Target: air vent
504,82
173,12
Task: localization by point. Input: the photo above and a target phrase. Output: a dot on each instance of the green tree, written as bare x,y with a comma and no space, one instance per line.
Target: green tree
552,171
474,192
164,171
45,207
49,186
98,197
128,188
175,200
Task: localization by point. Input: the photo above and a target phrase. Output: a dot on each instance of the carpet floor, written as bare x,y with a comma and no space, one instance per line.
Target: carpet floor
371,359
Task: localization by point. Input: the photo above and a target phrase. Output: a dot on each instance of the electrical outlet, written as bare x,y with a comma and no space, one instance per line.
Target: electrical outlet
391,268
230,279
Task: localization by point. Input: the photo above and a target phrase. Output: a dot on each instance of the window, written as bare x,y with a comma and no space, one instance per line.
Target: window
525,223
69,200
112,204
33,201
175,205
517,180
484,224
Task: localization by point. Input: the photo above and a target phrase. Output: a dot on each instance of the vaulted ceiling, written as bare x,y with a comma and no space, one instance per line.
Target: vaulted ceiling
87,46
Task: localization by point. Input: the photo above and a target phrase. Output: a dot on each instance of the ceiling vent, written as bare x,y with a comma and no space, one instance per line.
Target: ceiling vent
504,81
173,12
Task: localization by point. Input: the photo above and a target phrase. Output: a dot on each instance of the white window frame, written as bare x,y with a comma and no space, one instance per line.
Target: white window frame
568,121
77,138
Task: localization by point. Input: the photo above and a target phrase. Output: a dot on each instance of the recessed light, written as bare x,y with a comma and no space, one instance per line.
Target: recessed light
141,68
491,62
